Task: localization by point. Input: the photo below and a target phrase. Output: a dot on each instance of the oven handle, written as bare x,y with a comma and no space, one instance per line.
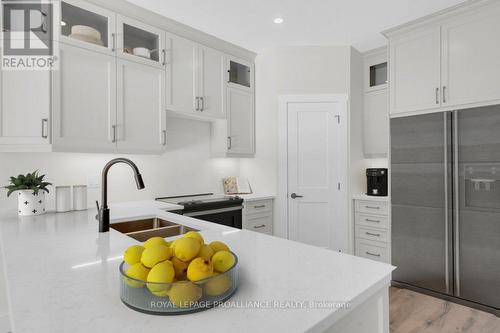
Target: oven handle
214,211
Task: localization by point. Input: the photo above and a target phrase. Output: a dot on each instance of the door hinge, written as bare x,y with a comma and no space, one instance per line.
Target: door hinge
338,118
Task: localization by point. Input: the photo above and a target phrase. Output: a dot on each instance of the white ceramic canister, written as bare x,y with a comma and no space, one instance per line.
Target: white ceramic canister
80,197
63,199
29,203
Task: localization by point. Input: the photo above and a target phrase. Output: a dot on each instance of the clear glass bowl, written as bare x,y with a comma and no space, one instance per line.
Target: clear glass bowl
177,297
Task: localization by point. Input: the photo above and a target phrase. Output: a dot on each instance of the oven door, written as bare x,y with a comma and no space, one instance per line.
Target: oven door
229,216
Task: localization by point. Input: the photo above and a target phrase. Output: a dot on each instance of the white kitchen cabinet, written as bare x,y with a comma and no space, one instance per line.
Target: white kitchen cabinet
82,13
131,34
258,216
84,101
471,58
141,114
241,121
211,84
181,75
195,79
415,71
376,123
25,110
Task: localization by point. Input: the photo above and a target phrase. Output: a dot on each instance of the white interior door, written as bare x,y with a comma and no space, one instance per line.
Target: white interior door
317,160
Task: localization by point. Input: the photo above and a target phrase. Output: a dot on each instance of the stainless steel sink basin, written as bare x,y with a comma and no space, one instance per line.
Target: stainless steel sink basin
142,230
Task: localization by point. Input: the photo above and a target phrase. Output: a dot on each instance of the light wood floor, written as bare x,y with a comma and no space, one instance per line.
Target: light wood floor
413,312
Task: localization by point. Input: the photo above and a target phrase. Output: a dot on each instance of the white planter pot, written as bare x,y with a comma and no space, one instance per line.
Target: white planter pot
29,204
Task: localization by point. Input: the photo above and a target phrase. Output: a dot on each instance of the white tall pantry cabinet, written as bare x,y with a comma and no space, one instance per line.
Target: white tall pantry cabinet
446,62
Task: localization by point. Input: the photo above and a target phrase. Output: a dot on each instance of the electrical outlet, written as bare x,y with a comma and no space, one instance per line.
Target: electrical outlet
93,181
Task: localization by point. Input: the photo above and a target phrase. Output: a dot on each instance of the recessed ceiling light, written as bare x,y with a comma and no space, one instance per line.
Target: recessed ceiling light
278,20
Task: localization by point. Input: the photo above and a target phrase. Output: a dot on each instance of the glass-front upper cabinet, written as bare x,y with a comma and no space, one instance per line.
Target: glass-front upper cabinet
240,73
375,69
87,26
140,42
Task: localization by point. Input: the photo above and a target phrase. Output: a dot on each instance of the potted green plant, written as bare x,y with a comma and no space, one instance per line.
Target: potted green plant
30,190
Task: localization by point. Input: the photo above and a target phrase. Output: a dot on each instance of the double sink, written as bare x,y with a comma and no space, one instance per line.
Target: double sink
144,229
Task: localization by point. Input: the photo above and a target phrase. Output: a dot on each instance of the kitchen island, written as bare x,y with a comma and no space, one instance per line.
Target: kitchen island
62,276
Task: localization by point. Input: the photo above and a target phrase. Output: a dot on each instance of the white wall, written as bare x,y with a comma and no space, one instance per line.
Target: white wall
289,70
186,167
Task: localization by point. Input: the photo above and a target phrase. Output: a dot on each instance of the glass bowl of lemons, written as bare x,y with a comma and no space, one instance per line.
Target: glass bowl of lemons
182,276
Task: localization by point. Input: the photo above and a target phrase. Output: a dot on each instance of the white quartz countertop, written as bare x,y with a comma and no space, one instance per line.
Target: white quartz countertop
370,197
62,276
256,196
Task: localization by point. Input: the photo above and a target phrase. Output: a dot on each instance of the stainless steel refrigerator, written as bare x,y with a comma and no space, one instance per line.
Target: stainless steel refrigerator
445,193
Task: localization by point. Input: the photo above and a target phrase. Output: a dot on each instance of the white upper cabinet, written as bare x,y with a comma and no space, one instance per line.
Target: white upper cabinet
376,124
141,114
86,25
240,74
450,62
140,42
415,71
181,75
241,121
471,58
25,109
211,85
84,101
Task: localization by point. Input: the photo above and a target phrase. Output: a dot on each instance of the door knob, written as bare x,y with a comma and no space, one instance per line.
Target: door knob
294,195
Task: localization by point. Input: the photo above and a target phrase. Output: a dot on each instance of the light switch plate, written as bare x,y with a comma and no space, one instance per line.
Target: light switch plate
93,181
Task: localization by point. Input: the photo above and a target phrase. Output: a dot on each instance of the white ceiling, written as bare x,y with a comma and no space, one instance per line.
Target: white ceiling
249,23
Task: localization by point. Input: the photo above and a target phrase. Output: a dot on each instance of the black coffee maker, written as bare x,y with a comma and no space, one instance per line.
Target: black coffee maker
376,181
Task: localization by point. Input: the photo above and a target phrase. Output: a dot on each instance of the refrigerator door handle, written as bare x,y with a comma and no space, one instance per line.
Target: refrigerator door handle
446,204
456,196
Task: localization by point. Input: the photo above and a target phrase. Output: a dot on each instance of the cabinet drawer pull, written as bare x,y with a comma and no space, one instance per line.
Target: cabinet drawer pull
259,206
444,94
374,221
229,143
372,207
373,254
114,133
202,100
372,234
197,104
164,138
113,43
259,226
437,95
164,53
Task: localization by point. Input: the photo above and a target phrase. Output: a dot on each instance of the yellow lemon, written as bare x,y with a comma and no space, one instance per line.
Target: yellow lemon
133,254
162,274
223,261
218,285
186,248
218,246
184,293
195,235
155,241
180,268
138,272
154,254
199,269
206,252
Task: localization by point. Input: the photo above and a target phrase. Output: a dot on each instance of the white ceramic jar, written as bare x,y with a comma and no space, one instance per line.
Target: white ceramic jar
29,203
80,197
63,199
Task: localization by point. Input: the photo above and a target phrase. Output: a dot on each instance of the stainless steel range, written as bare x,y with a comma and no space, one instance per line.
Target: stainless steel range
220,209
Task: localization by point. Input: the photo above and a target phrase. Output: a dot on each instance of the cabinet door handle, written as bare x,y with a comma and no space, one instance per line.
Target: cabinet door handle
114,133
373,254
229,143
374,221
437,95
164,53
202,100
197,104
260,206
372,234
259,226
372,207
113,42
164,142
45,128
444,94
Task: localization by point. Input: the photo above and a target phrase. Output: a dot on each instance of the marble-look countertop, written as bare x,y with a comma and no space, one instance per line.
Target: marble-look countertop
62,276
370,197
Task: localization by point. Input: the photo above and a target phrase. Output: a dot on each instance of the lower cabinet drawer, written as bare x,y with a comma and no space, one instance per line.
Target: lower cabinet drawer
373,250
372,234
371,207
259,206
376,221
262,223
